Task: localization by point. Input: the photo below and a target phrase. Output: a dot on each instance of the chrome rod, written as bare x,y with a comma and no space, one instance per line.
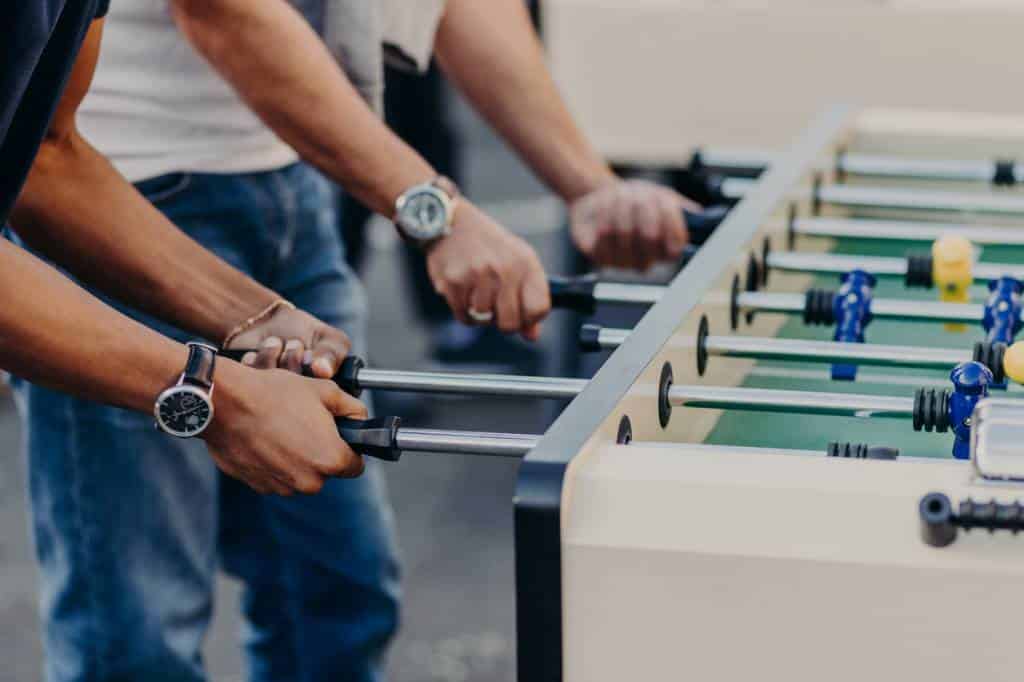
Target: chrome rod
471,384
926,311
802,402
952,170
880,266
907,231
796,350
609,339
882,308
630,294
853,196
726,160
835,264
466,442
736,188
869,165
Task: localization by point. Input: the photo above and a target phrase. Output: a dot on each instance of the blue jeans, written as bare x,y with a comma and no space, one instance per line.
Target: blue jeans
130,524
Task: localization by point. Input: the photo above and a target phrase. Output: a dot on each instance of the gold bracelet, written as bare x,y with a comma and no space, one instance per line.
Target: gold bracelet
262,315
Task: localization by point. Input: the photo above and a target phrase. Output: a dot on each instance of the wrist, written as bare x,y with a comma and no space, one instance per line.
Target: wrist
597,177
229,395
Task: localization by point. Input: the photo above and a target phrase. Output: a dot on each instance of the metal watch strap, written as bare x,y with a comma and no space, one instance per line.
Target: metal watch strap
202,360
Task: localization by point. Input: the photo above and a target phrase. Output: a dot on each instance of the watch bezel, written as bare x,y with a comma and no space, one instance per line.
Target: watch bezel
447,203
174,390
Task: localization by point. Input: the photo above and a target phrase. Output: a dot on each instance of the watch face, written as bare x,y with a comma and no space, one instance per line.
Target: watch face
424,215
183,411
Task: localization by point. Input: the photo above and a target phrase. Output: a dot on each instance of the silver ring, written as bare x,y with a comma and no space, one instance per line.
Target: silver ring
482,318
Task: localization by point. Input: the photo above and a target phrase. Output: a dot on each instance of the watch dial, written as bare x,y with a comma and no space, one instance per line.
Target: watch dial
184,412
424,216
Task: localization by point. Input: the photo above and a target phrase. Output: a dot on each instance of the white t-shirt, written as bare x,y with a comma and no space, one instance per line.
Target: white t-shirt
156,106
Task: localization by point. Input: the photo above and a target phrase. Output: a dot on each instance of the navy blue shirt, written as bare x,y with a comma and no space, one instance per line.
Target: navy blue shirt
41,41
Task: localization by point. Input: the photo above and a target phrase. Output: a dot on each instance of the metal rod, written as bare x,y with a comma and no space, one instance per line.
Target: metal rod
736,188
881,308
825,352
466,442
952,170
796,350
630,294
853,196
880,266
919,200
869,165
471,384
802,402
907,231
610,339
835,264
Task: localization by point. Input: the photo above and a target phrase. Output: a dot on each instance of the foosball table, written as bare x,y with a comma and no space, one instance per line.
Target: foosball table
806,459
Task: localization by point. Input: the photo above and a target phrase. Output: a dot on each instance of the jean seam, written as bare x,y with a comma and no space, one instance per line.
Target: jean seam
84,543
287,200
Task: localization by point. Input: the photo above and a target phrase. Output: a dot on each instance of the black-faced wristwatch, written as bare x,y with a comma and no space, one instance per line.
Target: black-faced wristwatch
186,408
424,213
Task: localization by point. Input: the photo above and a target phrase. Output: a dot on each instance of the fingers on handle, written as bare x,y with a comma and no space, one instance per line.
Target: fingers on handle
648,231
483,298
625,238
339,403
291,358
676,237
508,307
269,354
536,302
458,299
328,353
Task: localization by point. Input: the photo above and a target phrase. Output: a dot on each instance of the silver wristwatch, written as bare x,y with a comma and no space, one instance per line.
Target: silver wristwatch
424,213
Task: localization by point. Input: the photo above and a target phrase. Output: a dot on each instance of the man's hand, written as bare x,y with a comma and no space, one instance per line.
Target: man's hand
293,338
630,224
483,268
275,431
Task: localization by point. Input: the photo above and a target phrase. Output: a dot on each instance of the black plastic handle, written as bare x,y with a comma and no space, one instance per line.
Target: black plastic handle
574,293
377,438
701,225
590,335
713,190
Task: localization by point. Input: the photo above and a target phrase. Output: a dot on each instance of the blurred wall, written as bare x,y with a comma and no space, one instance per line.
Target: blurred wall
652,79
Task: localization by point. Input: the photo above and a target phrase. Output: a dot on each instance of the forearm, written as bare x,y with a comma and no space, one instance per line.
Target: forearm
491,52
96,226
280,67
54,333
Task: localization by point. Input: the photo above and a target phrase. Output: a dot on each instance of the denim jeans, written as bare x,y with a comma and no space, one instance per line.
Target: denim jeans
130,524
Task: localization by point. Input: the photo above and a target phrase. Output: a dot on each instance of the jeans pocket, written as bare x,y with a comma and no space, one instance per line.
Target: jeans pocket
164,187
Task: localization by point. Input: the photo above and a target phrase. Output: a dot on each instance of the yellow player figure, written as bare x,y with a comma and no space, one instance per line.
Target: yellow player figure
952,265
1013,363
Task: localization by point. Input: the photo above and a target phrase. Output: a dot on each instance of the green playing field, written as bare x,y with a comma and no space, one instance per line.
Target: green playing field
814,432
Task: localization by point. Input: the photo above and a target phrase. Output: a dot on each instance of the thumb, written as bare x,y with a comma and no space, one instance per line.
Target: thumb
341,404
